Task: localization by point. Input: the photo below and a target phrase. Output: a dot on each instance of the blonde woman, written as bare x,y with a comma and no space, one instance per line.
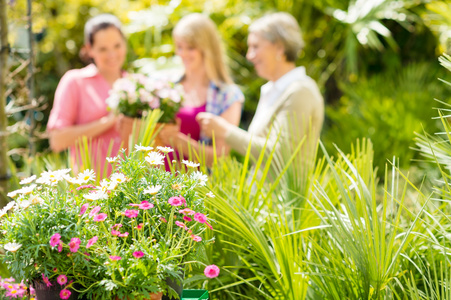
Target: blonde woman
207,84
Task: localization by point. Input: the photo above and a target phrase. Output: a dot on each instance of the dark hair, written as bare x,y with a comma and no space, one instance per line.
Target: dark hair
95,25
98,23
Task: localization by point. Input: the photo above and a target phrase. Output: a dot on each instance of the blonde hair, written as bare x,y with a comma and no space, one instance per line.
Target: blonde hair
201,33
281,28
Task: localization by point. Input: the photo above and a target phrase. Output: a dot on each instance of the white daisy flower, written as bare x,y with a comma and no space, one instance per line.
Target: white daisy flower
104,184
190,164
143,148
165,149
210,194
50,177
24,191
200,177
13,247
10,206
86,176
112,159
3,213
96,196
12,194
36,200
62,172
24,204
71,179
28,180
155,158
116,178
28,189
152,189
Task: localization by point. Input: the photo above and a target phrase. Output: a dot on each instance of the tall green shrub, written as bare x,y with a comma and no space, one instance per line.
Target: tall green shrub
388,109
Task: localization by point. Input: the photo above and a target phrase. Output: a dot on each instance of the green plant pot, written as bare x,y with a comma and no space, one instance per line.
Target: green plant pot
177,286
195,294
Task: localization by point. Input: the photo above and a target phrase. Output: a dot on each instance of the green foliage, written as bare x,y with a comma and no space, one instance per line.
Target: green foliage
357,254
61,226
387,112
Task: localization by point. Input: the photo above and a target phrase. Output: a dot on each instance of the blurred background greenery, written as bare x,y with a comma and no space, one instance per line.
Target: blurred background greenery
375,61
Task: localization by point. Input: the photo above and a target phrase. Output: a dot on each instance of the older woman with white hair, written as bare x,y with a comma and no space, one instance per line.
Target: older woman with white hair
290,107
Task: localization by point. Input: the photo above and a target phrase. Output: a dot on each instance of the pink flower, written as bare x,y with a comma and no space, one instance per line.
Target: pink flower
92,241
114,257
196,238
163,220
188,219
182,199
60,247
14,293
83,208
125,234
138,254
88,186
100,217
117,225
62,279
22,287
65,294
74,244
131,213
55,239
115,232
175,201
145,205
211,271
201,218
94,211
180,224
87,254
140,226
187,211
46,280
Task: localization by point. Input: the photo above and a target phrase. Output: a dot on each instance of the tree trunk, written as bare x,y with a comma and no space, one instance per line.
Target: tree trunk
4,52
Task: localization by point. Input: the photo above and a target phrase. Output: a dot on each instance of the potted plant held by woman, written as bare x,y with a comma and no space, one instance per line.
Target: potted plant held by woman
121,240
132,96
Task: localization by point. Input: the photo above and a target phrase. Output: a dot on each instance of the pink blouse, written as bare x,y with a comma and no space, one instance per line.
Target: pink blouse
188,126
80,99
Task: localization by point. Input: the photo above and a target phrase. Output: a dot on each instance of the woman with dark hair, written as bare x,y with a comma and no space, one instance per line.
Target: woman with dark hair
290,108
79,107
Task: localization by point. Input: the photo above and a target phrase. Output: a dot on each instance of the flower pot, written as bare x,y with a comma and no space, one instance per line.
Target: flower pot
43,292
126,127
157,140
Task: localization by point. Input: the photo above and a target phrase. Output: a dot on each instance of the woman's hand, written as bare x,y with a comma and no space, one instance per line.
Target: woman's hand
63,138
169,133
210,123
